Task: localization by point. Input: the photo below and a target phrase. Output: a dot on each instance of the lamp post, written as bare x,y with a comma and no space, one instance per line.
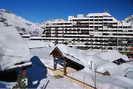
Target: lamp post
95,77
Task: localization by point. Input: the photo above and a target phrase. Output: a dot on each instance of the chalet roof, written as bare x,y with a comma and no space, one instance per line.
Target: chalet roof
62,51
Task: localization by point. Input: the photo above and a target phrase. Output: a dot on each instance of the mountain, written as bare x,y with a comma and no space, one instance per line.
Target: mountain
24,27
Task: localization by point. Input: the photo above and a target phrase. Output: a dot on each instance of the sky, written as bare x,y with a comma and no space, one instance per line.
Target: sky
42,10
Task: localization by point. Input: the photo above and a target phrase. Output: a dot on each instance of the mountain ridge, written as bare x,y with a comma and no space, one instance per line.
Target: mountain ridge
23,26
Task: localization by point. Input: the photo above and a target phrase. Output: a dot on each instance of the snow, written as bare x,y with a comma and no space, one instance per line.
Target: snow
13,20
38,44
44,55
22,25
13,48
90,60
115,69
61,83
86,58
112,55
42,50
103,82
22,65
102,61
72,53
115,81
7,85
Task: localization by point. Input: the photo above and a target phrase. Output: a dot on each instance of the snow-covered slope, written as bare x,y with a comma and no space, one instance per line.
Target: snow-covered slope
9,19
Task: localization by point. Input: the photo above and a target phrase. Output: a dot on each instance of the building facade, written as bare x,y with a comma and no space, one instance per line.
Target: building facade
92,31
129,19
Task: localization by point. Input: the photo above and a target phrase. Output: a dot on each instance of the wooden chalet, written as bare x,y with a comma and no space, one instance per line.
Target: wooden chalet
64,60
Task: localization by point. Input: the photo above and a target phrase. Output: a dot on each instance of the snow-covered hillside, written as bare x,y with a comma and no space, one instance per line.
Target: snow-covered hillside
24,27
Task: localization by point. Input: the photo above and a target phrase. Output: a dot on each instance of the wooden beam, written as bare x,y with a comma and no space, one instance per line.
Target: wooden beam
65,67
55,63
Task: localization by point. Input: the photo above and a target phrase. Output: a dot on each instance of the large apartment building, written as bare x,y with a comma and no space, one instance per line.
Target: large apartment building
129,19
94,31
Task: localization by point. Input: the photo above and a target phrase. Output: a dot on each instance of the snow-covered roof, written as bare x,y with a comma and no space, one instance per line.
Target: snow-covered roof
112,55
13,48
114,69
85,58
71,53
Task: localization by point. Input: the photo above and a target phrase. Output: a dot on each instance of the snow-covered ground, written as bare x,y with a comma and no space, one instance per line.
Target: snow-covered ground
101,60
61,83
